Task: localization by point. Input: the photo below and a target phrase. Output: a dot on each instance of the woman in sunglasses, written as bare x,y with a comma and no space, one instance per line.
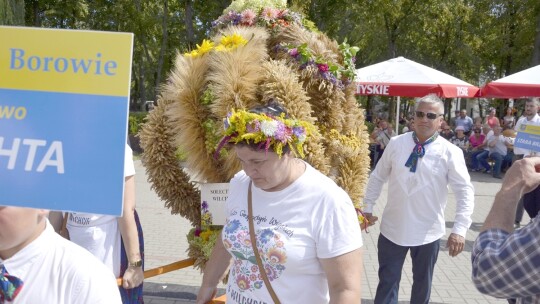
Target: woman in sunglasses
476,140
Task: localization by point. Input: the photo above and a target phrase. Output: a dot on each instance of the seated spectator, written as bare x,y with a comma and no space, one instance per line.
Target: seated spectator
446,132
477,147
409,127
486,130
509,137
382,136
477,120
509,120
402,119
461,140
497,147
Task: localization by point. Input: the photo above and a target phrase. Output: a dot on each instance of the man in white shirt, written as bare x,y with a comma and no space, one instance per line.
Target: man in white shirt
497,147
530,117
413,218
52,269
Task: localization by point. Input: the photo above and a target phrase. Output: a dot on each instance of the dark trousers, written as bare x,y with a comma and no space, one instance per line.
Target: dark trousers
391,258
531,202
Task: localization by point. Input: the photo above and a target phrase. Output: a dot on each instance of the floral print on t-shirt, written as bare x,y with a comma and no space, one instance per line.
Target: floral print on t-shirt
244,271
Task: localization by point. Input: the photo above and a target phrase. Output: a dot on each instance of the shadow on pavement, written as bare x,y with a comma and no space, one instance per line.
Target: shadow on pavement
173,291
368,301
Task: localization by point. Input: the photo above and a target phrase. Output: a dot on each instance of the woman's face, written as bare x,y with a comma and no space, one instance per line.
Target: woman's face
267,171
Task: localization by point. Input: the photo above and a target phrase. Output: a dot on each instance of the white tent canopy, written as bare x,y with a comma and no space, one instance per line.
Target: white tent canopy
522,84
403,77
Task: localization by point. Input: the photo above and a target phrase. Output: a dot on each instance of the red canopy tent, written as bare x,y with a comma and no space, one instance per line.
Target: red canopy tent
403,77
522,84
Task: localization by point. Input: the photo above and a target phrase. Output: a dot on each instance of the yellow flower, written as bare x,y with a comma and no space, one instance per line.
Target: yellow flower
205,47
205,235
193,53
231,42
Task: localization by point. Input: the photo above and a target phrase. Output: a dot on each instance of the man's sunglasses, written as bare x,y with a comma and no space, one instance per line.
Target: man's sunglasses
429,115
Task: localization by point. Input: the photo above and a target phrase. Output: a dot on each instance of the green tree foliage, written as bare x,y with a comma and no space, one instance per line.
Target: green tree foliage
475,40
11,12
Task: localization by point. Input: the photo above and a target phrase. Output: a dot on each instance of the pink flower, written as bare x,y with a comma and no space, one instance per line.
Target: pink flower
242,282
323,67
269,13
282,13
248,17
293,52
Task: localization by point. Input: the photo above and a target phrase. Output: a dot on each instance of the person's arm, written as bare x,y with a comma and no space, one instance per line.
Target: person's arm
522,177
344,275
376,181
133,276
214,271
460,182
499,255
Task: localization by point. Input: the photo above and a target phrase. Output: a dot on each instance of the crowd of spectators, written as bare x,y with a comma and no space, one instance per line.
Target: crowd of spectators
487,143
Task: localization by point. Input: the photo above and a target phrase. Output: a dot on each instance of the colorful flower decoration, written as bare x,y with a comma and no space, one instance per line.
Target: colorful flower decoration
270,17
227,43
338,75
268,131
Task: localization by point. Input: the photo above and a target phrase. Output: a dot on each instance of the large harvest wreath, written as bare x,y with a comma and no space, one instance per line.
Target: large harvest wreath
260,51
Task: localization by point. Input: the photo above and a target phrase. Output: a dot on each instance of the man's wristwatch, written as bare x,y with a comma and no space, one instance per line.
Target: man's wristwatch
137,263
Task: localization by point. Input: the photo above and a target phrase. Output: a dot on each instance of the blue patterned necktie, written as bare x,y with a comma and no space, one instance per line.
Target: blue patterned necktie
10,286
418,151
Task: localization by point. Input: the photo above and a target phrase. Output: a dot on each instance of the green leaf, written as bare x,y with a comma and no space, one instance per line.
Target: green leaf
239,255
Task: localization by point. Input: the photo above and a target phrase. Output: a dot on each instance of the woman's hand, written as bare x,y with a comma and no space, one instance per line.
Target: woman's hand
133,277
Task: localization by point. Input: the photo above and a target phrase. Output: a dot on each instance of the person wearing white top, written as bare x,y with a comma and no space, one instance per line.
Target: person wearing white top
530,117
53,269
104,235
498,148
413,218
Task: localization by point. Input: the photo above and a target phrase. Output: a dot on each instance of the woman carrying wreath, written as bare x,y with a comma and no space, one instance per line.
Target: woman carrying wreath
305,227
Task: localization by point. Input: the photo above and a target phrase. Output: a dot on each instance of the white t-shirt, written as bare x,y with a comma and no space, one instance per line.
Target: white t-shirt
100,234
499,146
311,219
414,212
56,271
535,121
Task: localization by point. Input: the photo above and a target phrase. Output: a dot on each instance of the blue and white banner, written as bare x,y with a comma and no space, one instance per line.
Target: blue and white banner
63,129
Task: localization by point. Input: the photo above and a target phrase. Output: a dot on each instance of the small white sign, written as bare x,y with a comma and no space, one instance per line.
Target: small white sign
213,197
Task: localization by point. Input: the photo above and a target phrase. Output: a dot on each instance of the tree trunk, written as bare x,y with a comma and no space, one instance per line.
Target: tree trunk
164,41
142,85
190,33
536,51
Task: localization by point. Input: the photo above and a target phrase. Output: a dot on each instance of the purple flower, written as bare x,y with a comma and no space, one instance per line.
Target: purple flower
293,52
280,133
253,127
298,131
204,205
197,232
323,67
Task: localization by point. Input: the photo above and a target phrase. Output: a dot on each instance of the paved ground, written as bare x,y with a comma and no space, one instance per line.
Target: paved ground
165,243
